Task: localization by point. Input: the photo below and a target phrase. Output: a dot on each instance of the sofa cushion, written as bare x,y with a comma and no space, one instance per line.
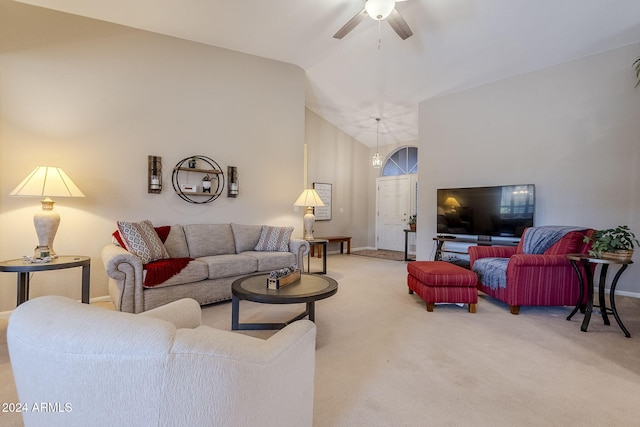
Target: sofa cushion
274,239
268,261
221,266
209,239
141,239
176,243
246,236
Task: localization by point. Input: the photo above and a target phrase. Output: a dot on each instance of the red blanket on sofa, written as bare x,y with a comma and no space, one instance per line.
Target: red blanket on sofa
163,269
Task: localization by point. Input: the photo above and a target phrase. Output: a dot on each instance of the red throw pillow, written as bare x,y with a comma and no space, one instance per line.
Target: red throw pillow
570,243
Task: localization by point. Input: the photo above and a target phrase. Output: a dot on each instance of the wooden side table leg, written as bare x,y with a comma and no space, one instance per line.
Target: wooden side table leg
612,299
601,299
574,264
589,308
324,258
23,287
349,246
86,283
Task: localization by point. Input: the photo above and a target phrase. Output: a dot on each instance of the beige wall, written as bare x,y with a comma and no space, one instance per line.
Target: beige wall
573,130
340,160
96,99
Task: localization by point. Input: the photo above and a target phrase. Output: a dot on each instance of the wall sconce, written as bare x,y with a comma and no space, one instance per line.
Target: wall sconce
234,186
155,174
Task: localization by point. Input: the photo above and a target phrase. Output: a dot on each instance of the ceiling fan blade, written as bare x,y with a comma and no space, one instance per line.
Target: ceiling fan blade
353,22
399,25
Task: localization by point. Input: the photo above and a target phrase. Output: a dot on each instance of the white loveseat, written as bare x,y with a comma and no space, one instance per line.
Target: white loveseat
90,366
209,256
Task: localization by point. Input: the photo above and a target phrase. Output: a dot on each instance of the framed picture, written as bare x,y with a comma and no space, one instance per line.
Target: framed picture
323,213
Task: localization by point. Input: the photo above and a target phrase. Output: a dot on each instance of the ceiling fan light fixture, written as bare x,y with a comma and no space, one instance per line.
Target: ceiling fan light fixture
379,9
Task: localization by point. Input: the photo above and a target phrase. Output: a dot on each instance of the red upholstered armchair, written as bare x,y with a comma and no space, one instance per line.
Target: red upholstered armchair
537,279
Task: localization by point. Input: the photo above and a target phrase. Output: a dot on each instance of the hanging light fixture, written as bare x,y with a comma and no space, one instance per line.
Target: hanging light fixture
377,160
379,9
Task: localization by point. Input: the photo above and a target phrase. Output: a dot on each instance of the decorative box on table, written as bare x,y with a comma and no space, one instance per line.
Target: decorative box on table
283,277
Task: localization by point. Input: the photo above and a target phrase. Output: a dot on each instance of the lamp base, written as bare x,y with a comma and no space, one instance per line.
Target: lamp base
46,222
309,220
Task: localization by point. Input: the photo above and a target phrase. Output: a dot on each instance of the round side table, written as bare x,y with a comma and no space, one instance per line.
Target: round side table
589,263
24,268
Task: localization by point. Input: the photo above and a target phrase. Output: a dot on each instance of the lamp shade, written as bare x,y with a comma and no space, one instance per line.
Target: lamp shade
451,201
47,181
309,197
379,9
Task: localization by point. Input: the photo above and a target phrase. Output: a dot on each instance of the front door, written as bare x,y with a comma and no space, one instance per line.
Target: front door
393,207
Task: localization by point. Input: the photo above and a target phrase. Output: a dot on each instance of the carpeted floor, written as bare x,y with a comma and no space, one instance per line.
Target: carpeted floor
381,254
383,360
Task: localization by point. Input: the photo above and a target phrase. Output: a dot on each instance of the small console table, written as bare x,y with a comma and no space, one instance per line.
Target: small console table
333,239
406,244
586,260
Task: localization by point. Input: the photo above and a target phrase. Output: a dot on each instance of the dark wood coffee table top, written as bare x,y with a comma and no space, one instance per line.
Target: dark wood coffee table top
309,288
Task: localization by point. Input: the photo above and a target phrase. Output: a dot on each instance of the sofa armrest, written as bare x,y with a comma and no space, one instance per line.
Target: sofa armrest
183,313
300,248
477,252
125,272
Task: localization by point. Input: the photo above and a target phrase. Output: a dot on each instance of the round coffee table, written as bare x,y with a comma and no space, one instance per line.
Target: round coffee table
309,289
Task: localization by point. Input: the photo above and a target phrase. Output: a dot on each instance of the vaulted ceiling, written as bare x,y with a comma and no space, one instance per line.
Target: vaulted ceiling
371,72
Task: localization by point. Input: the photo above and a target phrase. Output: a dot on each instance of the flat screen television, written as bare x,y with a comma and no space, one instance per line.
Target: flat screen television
498,211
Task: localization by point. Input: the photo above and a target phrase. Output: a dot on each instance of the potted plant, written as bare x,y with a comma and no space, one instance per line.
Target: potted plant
613,243
412,222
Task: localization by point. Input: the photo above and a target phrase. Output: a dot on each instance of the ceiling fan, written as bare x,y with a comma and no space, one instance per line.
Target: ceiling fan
378,10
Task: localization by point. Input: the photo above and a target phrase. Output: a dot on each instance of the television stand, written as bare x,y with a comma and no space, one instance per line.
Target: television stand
479,242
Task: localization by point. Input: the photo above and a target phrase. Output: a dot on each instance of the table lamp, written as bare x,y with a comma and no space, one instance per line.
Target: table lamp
309,198
46,181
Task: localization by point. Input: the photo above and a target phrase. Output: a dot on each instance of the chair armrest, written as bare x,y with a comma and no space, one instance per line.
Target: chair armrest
183,313
538,260
220,371
477,252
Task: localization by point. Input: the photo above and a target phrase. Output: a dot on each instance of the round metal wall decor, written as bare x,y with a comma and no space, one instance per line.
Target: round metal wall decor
198,179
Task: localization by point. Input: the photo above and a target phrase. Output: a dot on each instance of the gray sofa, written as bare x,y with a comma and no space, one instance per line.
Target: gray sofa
212,257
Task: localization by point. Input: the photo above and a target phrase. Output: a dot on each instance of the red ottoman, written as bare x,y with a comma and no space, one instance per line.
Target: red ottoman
439,281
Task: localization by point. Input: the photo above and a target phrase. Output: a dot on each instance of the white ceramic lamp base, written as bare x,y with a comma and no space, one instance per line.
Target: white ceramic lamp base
309,219
46,222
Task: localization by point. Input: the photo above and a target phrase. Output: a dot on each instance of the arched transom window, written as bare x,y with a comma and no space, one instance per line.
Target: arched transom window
403,161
